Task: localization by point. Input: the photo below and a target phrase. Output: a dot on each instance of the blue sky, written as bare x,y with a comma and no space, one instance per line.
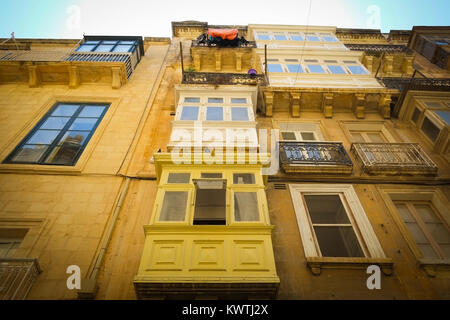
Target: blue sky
72,18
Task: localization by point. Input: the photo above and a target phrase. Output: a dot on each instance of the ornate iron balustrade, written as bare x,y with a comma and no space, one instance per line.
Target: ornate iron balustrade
222,78
416,83
325,157
247,44
393,158
17,276
378,49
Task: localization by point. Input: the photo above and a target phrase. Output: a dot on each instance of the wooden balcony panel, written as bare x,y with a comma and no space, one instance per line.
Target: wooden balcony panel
17,276
314,157
393,159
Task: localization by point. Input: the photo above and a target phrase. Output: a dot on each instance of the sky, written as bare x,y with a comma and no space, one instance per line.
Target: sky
152,18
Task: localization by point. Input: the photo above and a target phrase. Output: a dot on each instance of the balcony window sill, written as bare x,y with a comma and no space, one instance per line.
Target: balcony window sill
316,264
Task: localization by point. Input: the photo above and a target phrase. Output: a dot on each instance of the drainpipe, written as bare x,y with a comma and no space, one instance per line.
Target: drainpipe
89,285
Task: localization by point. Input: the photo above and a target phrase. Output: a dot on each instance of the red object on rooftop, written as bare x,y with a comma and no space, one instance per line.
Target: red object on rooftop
225,34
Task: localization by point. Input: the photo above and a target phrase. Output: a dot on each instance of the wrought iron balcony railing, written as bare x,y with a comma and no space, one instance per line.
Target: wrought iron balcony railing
378,49
222,78
393,158
441,84
315,157
17,276
246,44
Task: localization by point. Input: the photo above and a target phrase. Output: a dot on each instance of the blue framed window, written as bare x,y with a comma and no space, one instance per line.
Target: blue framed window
315,68
61,136
274,67
239,114
336,69
295,68
263,37
357,70
214,113
108,46
189,113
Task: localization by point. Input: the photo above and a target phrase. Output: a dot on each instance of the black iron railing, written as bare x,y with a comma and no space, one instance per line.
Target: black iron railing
378,49
314,153
222,78
17,276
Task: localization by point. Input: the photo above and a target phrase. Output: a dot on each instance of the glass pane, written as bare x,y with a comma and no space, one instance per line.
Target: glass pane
92,111
263,37
211,175
189,113
243,178
446,249
123,48
43,137
327,209
296,38
74,137
308,136
86,47
29,153
280,37
210,207
417,233
55,122
375,137
439,233
288,136
109,41
214,113
65,110
315,68
357,137
67,149
430,129
83,124
174,206
404,212
312,38
336,69
329,39
432,104
239,114
176,177
426,213
444,115
91,42
357,70
245,206
104,48
191,99
215,100
415,116
295,68
427,251
274,67
127,42
338,242
238,100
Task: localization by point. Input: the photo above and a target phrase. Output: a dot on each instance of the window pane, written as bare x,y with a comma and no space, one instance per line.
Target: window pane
263,37
430,129
83,124
416,232
65,110
215,100
295,68
415,116
274,67
239,114
43,137
426,213
211,175
127,42
280,37
174,206
92,111
432,104
296,38
210,207
109,42
123,48
338,242
214,113
55,123
68,147
375,137
243,178
315,68
439,232
176,177
404,212
329,39
29,153
288,136
357,70
312,38
189,113
308,136
427,251
86,47
336,69
191,99
326,209
444,115
357,137
104,48
238,100
245,206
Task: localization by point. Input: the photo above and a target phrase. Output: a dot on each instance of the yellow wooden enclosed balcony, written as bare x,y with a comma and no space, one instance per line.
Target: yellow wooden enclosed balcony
209,235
